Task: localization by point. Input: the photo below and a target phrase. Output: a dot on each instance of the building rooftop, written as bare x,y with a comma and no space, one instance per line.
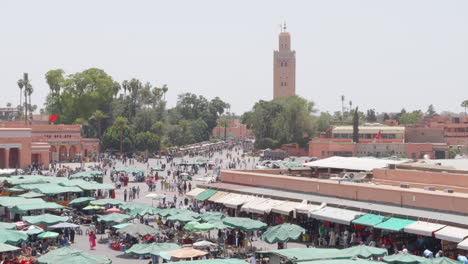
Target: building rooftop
353,163
370,129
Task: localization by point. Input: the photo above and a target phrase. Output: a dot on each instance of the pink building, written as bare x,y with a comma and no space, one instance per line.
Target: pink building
235,129
284,67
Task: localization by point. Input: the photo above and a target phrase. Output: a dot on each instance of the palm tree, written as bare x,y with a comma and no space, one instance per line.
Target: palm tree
24,83
98,116
21,86
30,90
116,89
465,104
164,89
125,86
121,123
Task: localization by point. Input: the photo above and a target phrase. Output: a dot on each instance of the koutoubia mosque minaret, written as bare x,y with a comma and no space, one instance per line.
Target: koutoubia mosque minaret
284,66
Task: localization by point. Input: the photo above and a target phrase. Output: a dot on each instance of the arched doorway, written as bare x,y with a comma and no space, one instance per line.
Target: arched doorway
14,158
63,153
53,156
72,152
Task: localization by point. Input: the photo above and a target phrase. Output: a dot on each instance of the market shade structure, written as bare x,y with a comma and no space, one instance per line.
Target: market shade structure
238,200
114,218
114,210
423,228
211,216
218,224
64,225
354,163
120,225
342,261
185,253
204,243
195,192
33,230
453,234
81,201
203,227
394,224
205,195
153,248
189,226
441,260
24,208
305,208
93,207
7,248
369,220
142,211
335,215
71,256
244,223
49,256
265,207
404,259
158,169
183,217
31,195
45,219
308,254
4,225
12,236
103,202
282,233
366,252
138,229
214,261
217,196
285,208
47,235
49,188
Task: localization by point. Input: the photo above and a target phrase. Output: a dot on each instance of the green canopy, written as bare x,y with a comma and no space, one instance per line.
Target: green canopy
282,233
394,224
215,261
120,225
172,211
114,218
24,208
138,229
308,254
369,220
244,223
206,194
86,174
87,185
212,216
46,235
31,195
45,219
202,160
6,248
184,217
292,164
12,201
204,227
158,169
132,206
441,260
93,207
71,256
103,202
404,259
49,188
4,225
12,236
364,251
81,201
153,248
341,261
142,211
189,226
218,224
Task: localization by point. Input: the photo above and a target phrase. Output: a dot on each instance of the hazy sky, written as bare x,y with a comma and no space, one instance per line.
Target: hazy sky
380,54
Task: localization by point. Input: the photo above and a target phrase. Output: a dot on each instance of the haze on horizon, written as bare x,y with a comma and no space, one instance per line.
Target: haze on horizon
384,55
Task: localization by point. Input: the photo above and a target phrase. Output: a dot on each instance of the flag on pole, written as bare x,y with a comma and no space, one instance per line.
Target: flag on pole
53,118
377,137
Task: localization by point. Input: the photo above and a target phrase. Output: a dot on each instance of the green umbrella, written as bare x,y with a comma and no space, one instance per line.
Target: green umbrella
31,195
204,227
47,235
211,216
45,219
218,224
114,218
244,223
4,225
120,225
153,248
171,211
282,233
81,201
142,211
181,218
442,260
12,236
71,256
189,226
404,259
59,252
158,169
138,229
6,248
103,202
93,207
363,251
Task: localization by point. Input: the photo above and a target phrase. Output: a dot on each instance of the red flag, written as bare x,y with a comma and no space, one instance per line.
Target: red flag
378,134
53,118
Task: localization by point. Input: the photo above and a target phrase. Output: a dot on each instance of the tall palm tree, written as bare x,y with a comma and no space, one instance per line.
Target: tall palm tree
164,89
125,86
21,86
24,83
465,104
98,116
121,123
116,89
30,91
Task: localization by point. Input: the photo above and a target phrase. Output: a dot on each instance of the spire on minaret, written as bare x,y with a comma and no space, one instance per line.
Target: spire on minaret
284,26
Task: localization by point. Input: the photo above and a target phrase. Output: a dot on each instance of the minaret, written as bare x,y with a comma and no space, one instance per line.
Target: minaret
284,66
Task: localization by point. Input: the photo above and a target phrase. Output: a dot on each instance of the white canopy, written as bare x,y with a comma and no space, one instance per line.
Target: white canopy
217,196
353,163
247,207
335,215
240,199
305,208
453,234
227,197
266,206
195,192
463,244
286,208
423,228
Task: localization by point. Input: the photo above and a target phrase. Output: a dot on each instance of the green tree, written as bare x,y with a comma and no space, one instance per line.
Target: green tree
56,80
431,111
410,118
371,117
356,126
144,120
465,105
26,84
98,116
159,128
147,141
121,124
199,130
324,121
386,117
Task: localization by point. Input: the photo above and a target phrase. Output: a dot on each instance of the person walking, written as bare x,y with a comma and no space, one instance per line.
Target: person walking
125,195
92,240
138,192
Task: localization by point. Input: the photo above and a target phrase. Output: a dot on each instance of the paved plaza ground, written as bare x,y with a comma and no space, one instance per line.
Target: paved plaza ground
81,242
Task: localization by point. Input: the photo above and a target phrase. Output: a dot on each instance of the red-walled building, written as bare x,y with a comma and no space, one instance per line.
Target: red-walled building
235,129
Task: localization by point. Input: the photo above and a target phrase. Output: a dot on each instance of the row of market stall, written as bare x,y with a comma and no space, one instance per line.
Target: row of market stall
452,237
